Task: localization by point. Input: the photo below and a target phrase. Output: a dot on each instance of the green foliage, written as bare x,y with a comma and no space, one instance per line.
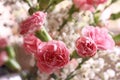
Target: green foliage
117,38
32,10
96,16
115,16
45,4
113,1
74,55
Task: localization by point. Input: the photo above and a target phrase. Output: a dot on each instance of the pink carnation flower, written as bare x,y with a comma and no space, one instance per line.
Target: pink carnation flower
3,57
31,43
96,2
83,5
87,4
85,47
3,42
101,37
32,23
52,55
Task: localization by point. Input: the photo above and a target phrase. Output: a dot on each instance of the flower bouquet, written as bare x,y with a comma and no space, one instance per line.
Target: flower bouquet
67,40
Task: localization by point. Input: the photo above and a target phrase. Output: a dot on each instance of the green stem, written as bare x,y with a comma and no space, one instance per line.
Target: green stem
28,2
10,52
117,38
71,11
11,62
80,64
32,75
53,75
13,65
74,55
71,75
48,7
96,18
43,35
52,4
63,24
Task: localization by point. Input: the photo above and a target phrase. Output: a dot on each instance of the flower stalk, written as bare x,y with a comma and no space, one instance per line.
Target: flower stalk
74,55
10,51
11,62
71,11
13,65
43,35
71,75
28,2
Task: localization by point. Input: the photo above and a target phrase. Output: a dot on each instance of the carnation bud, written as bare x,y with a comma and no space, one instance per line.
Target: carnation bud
32,23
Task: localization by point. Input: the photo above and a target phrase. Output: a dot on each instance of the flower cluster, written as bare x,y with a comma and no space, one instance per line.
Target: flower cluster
100,36
50,55
94,39
64,23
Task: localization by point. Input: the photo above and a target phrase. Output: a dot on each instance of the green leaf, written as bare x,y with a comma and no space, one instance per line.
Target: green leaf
113,1
52,4
115,16
53,76
117,38
97,17
57,1
43,4
74,55
28,2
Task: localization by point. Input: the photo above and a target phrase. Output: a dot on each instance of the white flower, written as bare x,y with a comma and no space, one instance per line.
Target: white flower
5,32
110,72
117,66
